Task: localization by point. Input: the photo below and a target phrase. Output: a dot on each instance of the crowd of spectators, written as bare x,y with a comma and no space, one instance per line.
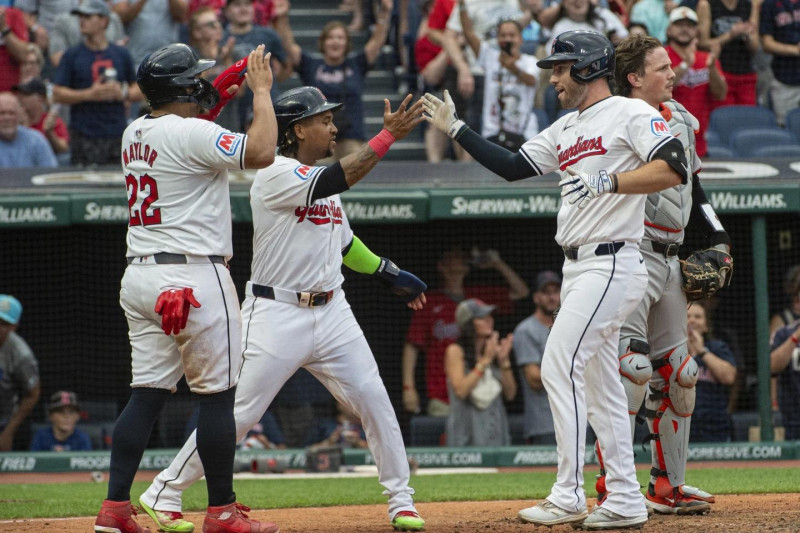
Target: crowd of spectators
483,51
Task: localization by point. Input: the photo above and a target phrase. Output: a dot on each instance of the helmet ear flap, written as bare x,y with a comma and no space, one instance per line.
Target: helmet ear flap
206,95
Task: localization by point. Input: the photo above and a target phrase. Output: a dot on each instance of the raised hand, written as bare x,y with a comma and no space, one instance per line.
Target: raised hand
442,114
401,122
259,73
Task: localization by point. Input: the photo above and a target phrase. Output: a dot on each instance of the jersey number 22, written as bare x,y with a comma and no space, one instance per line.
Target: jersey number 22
142,216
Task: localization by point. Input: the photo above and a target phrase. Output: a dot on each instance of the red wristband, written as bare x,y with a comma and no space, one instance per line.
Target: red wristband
381,142
795,339
408,387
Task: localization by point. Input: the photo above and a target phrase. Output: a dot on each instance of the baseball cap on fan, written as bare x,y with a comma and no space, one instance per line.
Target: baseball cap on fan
545,278
682,13
472,308
92,7
61,399
10,309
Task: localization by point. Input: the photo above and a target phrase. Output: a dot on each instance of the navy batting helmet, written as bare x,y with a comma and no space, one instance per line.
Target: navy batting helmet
299,103
170,74
588,48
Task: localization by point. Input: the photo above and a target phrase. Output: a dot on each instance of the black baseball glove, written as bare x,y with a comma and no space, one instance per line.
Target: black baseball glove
705,272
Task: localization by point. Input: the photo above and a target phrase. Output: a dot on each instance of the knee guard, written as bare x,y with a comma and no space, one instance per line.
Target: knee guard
635,370
669,408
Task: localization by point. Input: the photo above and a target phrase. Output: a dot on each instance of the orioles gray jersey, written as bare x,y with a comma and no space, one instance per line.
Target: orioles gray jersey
667,212
297,244
615,134
176,173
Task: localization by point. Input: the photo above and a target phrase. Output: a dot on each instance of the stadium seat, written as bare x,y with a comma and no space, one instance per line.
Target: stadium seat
779,150
427,430
740,424
745,142
728,119
717,151
793,121
712,138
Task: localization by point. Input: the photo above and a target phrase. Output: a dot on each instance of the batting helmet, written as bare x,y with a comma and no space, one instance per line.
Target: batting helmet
170,74
299,103
588,48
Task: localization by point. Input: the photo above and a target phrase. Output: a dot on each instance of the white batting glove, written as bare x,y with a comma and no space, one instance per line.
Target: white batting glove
442,114
583,188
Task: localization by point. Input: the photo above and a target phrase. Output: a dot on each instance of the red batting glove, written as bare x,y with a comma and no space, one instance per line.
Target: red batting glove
232,75
173,305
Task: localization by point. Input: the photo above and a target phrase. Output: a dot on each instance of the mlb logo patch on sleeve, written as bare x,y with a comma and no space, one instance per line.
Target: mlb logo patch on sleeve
228,142
304,171
659,127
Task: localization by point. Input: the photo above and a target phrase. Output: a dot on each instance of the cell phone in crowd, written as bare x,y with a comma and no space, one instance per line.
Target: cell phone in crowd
507,47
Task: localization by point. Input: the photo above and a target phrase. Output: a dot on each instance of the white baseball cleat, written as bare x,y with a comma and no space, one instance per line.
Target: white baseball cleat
549,514
604,519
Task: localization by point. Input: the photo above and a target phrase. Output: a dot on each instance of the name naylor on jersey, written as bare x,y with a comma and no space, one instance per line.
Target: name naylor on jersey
228,143
582,148
320,214
139,152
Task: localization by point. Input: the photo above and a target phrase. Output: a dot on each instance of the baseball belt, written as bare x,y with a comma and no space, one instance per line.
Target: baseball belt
606,248
666,249
302,298
166,258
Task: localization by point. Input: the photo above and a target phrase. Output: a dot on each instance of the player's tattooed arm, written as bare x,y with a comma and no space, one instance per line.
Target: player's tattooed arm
396,125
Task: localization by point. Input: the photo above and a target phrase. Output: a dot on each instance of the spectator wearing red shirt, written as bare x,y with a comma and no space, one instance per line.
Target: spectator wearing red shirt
13,46
33,98
434,327
698,80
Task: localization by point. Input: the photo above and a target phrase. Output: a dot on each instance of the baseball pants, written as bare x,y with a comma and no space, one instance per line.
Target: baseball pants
279,338
580,372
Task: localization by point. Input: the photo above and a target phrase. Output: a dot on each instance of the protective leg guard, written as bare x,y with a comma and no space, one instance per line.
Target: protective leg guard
669,407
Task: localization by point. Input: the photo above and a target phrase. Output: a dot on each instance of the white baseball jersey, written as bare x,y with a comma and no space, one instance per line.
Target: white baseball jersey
297,245
615,134
176,173
517,98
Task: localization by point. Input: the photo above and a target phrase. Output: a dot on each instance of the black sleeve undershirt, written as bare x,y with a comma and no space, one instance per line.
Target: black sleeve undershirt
699,198
511,166
329,182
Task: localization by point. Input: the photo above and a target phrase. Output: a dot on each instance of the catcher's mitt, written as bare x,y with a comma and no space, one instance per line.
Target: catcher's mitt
705,272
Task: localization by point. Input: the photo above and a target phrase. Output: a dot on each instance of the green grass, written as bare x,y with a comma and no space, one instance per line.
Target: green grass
83,499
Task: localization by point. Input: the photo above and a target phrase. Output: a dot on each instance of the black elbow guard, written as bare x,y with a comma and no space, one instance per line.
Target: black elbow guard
672,152
329,182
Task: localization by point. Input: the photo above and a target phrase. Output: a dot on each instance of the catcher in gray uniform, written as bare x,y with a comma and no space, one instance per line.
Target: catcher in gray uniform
653,339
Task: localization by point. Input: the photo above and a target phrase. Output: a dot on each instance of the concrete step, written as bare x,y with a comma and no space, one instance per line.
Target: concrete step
310,18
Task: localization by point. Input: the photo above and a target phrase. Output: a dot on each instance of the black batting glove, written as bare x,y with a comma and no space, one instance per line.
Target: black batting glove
403,284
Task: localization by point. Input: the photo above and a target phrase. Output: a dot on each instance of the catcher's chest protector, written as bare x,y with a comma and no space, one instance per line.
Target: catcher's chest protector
670,208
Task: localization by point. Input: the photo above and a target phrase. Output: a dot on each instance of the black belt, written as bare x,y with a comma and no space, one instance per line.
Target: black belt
607,248
166,258
304,299
669,250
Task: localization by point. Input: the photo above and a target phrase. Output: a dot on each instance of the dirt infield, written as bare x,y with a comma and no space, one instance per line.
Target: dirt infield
731,513
747,513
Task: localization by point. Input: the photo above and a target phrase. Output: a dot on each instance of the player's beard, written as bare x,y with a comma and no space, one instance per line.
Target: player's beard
574,95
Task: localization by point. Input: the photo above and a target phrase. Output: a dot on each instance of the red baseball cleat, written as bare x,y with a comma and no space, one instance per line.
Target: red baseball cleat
231,518
117,517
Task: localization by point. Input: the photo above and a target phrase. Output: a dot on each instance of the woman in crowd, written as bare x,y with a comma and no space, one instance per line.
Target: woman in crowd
710,420
479,377
340,75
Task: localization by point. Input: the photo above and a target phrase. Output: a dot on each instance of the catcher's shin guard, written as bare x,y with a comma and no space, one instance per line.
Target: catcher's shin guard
669,408
635,371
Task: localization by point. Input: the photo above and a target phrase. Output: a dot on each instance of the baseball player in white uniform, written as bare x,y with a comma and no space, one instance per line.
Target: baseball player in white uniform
177,294
295,313
656,331
610,153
